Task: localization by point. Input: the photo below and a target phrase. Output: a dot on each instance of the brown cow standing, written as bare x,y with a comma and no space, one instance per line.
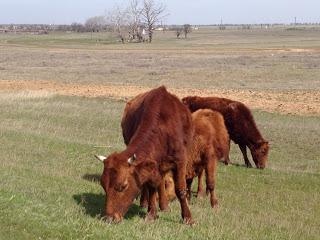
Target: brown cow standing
162,129
210,144
240,124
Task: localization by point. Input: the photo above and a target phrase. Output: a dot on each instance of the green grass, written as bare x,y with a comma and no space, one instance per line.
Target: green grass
49,188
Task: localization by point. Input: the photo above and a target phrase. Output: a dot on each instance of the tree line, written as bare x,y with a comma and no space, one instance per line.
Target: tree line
135,21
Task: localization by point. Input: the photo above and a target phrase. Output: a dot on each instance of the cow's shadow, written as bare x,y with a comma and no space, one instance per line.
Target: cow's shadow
92,177
240,165
93,205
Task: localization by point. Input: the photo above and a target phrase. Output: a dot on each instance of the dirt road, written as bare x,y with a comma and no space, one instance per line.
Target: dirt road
290,102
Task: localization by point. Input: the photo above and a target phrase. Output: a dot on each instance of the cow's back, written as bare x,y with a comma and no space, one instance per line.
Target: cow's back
160,114
237,116
209,126
131,117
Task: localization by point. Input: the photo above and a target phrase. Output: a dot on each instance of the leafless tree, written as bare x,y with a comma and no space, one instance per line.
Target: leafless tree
95,24
152,13
118,20
186,30
134,19
77,27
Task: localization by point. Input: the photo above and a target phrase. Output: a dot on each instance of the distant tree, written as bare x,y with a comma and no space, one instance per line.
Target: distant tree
134,12
151,14
186,30
118,20
76,27
95,24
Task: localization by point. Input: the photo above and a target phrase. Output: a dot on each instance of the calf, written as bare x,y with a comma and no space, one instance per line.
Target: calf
210,144
240,124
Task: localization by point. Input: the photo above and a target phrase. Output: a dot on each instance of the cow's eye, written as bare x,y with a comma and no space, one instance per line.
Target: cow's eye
121,187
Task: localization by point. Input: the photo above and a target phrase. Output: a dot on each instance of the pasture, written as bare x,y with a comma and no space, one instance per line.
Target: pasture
62,97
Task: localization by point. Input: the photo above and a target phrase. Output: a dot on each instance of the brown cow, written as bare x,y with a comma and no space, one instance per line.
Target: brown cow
162,129
210,144
240,124
129,124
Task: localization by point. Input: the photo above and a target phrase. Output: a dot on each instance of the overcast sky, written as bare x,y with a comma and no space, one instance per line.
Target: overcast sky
181,11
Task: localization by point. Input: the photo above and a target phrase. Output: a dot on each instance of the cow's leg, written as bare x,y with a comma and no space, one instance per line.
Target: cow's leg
227,160
226,157
189,184
152,205
210,177
243,149
144,197
200,184
181,188
163,199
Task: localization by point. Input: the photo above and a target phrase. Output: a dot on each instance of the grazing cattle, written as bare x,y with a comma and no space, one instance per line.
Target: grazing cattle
160,133
129,124
210,144
240,124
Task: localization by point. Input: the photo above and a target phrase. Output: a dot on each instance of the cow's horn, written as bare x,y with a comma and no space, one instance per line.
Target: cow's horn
100,158
132,159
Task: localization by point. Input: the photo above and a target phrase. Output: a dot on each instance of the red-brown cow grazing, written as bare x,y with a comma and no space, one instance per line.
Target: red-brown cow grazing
160,135
210,144
240,124
128,125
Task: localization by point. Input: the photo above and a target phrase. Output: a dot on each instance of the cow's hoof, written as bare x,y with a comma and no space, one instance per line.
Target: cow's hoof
214,204
201,194
150,217
166,209
189,221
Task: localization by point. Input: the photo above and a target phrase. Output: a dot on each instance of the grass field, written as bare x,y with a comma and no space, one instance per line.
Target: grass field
275,59
49,179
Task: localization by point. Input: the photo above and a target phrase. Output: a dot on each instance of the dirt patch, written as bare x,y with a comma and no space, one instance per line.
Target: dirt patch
290,102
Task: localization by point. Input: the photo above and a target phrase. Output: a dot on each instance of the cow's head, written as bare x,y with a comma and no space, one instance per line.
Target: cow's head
169,186
259,153
122,180
190,102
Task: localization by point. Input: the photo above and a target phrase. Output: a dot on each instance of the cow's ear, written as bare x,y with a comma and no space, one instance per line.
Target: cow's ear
132,159
100,158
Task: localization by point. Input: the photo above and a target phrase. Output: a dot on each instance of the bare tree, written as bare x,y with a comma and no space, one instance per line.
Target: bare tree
134,20
95,24
76,27
152,13
118,20
186,30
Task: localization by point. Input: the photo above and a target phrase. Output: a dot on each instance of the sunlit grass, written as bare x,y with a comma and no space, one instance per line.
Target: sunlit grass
49,187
